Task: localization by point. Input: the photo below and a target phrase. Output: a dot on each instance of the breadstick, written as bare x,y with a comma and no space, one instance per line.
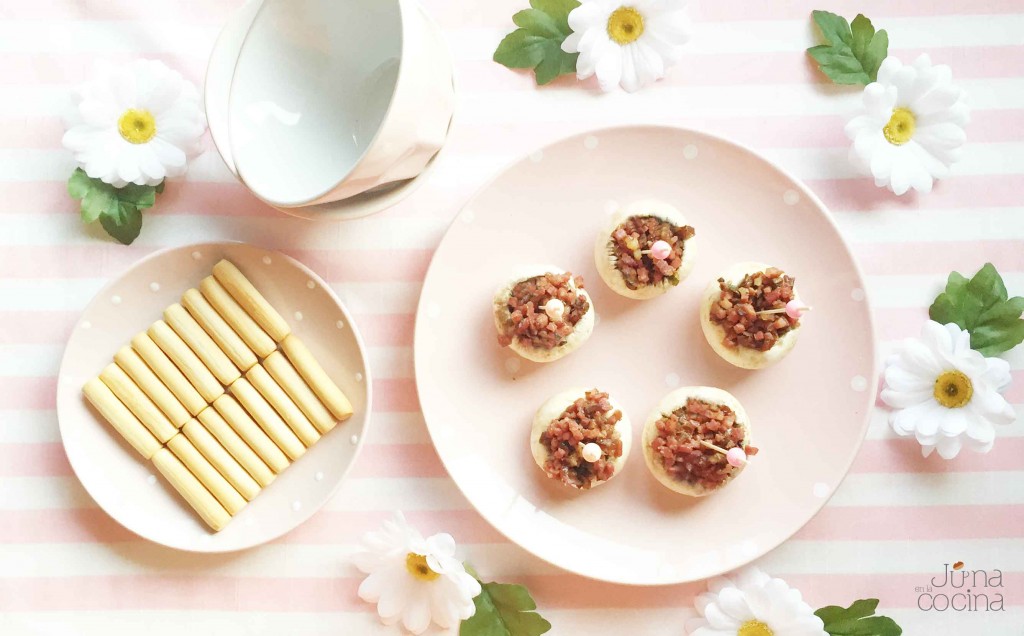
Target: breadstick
289,380
229,439
217,455
251,300
244,326
267,418
141,406
283,404
201,344
168,373
120,417
191,489
314,374
136,368
253,435
185,360
221,332
207,474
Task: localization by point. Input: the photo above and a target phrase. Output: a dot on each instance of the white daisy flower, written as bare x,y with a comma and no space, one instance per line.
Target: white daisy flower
413,579
946,394
751,603
912,129
628,44
138,123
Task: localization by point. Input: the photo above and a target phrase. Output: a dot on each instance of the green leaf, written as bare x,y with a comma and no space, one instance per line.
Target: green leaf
853,53
503,609
125,225
119,210
857,620
982,306
537,43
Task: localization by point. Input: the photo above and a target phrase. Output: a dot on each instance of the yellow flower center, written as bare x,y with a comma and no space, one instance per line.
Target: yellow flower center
953,389
625,25
136,126
901,127
417,566
755,628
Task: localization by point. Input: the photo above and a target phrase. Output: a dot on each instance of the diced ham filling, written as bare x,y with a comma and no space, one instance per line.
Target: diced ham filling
589,419
528,322
738,309
636,235
684,457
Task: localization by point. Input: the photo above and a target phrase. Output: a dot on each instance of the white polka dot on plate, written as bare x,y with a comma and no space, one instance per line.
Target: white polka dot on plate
359,377
354,439
513,364
298,315
319,476
115,300
857,294
590,142
433,310
748,548
340,324
196,256
468,215
310,284
821,490
267,260
690,152
86,324
296,506
791,197
859,383
151,480
611,206
537,157
154,287
672,380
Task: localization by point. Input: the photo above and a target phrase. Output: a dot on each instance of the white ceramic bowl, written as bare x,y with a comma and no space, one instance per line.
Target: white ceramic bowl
330,108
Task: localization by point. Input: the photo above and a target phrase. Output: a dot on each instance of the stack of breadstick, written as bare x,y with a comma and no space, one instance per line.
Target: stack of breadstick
220,395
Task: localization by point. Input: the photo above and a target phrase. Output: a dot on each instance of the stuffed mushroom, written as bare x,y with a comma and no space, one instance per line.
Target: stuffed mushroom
751,315
543,316
690,440
646,250
580,438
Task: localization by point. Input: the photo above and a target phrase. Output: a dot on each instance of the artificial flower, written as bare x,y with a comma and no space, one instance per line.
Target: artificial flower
946,394
138,123
912,129
629,44
751,603
413,579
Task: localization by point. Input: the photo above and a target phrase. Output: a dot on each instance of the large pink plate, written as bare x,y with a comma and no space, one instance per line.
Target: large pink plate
809,413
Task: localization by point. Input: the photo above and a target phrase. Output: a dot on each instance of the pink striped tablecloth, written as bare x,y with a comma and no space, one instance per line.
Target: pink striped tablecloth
67,568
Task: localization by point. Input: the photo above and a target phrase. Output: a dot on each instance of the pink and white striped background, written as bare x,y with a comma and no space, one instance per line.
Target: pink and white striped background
66,568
